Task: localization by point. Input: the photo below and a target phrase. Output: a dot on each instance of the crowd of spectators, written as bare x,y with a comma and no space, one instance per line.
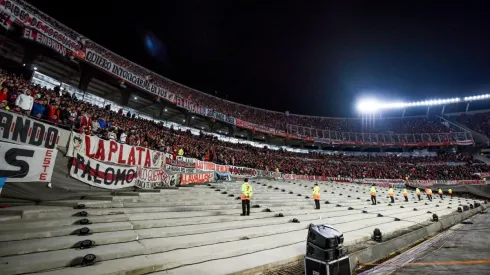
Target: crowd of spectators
59,107
276,120
479,122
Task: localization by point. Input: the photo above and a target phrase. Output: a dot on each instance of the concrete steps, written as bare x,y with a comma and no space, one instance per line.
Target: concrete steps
175,231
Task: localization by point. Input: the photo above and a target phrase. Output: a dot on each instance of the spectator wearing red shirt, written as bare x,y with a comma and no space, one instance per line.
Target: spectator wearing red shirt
4,94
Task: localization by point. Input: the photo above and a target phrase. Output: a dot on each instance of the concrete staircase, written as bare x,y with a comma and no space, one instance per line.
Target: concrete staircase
196,230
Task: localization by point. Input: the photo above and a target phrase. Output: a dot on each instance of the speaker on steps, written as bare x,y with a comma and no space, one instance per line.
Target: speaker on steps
326,255
324,236
336,267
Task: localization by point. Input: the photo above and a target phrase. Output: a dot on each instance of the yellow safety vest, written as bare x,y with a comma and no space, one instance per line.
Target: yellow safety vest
390,192
417,191
247,191
450,191
405,193
440,191
373,191
316,193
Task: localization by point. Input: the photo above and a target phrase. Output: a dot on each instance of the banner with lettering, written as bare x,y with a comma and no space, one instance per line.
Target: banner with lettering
243,172
100,174
220,116
428,183
205,165
196,178
113,152
180,161
177,169
150,178
23,13
20,129
6,19
43,40
22,163
190,105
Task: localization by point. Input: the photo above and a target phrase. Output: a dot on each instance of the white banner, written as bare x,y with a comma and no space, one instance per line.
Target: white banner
99,174
113,152
180,169
243,172
6,19
19,129
150,178
21,163
22,13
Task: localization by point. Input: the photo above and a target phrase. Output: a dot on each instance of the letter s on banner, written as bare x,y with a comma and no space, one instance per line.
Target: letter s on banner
22,163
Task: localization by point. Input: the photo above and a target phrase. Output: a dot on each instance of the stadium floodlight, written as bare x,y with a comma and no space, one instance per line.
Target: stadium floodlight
373,105
368,106
477,97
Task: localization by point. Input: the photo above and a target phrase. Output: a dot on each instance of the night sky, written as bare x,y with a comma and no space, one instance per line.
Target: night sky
308,57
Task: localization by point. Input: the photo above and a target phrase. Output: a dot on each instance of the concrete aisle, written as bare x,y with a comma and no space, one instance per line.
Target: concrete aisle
466,243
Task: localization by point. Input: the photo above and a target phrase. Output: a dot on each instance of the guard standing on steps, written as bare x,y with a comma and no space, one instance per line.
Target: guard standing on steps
405,194
440,193
391,193
247,192
450,192
428,192
372,191
316,196
417,191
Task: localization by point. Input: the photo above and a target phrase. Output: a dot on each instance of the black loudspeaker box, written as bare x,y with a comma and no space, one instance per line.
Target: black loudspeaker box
316,252
337,267
324,236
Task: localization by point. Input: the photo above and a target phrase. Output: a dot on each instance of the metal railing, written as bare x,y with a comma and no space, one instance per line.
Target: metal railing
461,137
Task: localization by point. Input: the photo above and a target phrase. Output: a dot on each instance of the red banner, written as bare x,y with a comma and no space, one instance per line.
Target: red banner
205,165
195,178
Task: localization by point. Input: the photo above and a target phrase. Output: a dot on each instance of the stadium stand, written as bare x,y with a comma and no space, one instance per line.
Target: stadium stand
67,111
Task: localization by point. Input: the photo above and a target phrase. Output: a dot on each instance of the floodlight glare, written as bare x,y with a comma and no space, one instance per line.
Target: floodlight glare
368,106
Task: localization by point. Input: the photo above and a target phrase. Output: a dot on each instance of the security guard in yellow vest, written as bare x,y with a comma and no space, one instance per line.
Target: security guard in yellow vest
428,192
247,192
450,192
316,196
440,193
417,191
405,194
372,191
391,193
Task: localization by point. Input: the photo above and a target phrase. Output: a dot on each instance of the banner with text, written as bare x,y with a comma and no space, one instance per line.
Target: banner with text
205,165
179,169
19,129
428,183
6,19
43,40
113,152
21,163
24,15
100,174
150,178
243,172
196,178
181,161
